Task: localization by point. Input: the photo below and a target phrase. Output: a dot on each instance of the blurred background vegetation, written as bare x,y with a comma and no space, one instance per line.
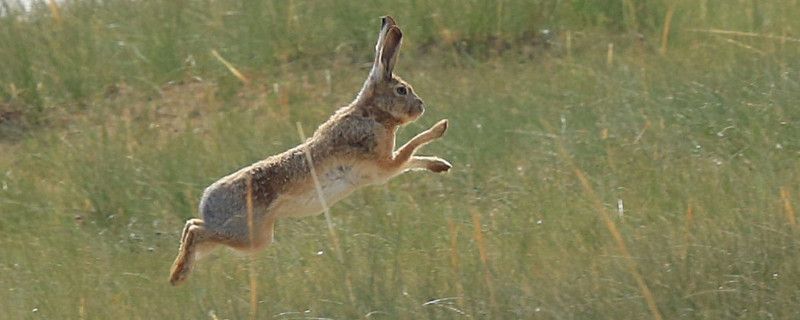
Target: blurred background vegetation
613,159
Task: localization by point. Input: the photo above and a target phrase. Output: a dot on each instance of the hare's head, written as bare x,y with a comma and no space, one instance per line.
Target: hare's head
387,93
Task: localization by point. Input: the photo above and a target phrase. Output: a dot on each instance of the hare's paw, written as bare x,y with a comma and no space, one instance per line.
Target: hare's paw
434,164
179,273
439,165
440,128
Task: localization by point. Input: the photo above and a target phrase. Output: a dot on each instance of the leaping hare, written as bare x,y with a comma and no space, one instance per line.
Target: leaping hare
354,148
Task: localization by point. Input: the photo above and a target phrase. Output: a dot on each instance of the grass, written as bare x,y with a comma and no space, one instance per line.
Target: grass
580,186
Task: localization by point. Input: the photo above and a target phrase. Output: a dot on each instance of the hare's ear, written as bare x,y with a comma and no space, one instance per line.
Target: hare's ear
387,50
386,22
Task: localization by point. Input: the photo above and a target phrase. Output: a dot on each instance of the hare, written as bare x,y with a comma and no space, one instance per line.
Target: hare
354,148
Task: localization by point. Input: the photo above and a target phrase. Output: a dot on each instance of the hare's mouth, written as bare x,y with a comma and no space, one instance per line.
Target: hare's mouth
417,109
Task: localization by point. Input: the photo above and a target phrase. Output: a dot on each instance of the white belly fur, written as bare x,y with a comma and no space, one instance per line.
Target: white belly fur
336,182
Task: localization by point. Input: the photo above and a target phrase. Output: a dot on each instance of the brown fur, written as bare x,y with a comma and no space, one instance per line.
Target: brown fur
355,147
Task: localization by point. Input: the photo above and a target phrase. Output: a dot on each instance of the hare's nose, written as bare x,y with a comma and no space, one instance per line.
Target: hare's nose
420,106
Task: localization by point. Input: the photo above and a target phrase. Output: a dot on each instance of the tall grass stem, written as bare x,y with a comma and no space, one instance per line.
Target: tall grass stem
665,34
487,276
454,259
231,68
252,267
55,11
320,195
326,211
787,204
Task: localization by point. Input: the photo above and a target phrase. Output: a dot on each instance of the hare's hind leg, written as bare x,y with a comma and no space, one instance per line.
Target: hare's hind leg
194,234
197,240
247,241
189,223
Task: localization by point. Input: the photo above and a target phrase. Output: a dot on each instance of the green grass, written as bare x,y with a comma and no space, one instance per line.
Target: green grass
122,117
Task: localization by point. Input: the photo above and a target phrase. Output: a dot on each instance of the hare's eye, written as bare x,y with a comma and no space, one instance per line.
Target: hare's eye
401,90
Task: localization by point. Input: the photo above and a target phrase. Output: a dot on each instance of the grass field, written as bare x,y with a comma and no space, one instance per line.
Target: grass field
603,168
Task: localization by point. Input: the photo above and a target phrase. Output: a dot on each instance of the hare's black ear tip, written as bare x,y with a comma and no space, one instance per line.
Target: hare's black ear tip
388,20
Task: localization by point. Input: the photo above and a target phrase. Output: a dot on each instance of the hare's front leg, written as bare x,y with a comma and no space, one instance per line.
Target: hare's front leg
434,164
405,159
